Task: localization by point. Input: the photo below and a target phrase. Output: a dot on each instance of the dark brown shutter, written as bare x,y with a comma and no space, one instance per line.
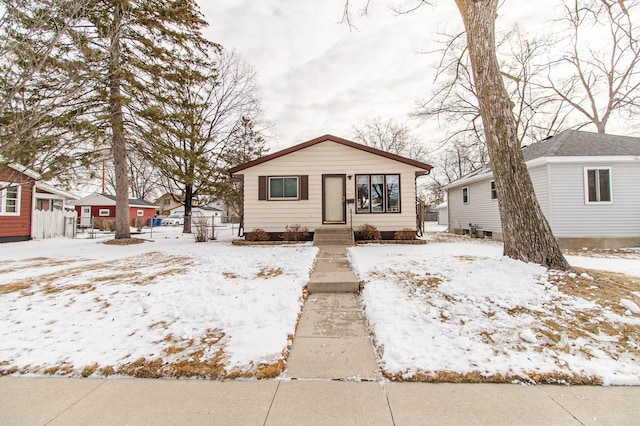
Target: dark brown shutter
304,187
262,187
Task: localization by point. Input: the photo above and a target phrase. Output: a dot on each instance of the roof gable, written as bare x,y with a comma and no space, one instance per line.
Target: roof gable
331,138
575,143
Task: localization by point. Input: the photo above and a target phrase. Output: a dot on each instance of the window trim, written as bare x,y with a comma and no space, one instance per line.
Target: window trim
465,194
597,182
494,191
283,198
3,199
385,197
101,213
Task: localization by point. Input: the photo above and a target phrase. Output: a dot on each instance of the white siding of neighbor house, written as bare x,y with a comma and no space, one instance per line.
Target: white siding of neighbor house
541,182
560,189
325,158
481,210
572,217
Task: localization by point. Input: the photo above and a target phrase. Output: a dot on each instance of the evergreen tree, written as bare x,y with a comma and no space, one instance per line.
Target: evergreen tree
194,123
121,49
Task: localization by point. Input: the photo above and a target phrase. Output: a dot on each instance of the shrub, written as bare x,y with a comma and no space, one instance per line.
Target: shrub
405,234
257,235
295,233
104,223
201,227
367,232
140,222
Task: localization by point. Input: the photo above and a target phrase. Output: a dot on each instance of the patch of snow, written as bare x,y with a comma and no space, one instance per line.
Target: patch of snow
85,302
630,306
484,313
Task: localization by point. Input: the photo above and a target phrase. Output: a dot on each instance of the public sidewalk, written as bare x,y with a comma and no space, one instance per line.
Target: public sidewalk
79,401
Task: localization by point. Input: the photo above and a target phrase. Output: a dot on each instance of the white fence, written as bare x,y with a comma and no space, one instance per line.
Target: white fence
53,223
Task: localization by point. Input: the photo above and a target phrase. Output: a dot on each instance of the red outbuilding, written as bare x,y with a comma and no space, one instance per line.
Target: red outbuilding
103,206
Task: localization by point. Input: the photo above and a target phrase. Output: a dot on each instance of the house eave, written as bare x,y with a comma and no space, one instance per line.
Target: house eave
609,159
330,138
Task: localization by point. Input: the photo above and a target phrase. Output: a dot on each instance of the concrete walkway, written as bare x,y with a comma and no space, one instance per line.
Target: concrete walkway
332,378
78,401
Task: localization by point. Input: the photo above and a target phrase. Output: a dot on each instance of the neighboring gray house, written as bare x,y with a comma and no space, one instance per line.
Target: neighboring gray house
587,184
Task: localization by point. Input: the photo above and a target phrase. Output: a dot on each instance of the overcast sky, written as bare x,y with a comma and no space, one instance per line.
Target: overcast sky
317,76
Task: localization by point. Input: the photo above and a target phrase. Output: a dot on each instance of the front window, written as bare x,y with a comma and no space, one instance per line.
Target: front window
9,200
283,188
378,193
140,212
103,212
465,195
598,185
494,193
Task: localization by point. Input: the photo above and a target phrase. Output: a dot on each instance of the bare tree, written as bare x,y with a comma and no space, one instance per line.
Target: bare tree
605,76
527,235
145,182
390,136
537,113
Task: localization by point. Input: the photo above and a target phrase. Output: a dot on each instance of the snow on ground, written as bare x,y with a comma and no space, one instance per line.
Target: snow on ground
448,309
77,303
451,307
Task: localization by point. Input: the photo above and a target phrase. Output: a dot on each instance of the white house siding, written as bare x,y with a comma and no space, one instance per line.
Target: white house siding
540,180
325,158
481,210
572,217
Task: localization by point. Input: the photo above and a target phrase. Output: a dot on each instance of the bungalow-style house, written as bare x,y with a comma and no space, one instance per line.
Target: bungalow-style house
167,202
330,182
586,184
21,194
103,206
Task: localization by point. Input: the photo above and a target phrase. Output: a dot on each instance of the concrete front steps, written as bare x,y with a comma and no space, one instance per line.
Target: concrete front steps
332,272
332,237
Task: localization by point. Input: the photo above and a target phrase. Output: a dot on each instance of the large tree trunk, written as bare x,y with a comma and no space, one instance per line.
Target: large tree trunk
119,145
188,207
526,232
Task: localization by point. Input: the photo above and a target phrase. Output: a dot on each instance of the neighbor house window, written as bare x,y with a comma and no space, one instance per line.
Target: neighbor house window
465,195
9,199
598,185
283,188
43,204
103,212
378,193
140,212
494,193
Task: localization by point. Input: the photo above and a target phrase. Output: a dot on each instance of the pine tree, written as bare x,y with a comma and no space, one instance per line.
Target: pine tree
135,45
194,123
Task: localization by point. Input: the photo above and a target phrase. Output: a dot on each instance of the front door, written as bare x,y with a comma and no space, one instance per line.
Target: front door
333,199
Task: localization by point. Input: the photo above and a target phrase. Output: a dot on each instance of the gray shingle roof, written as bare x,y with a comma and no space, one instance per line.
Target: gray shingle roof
574,143
132,201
